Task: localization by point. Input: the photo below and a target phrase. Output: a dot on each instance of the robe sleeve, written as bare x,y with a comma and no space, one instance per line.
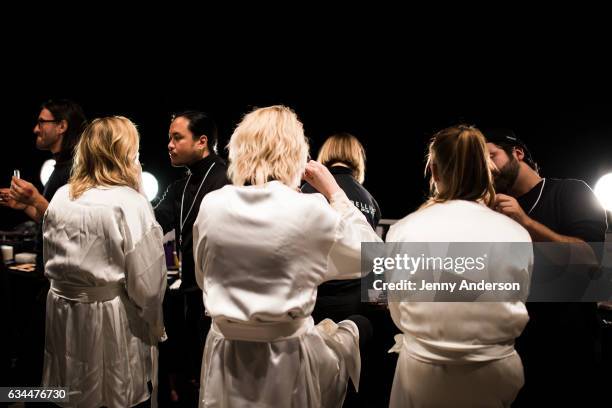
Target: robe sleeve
199,243
146,278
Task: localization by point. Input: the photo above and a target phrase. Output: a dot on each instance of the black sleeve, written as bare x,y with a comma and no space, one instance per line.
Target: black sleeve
165,212
58,178
377,215
582,215
308,189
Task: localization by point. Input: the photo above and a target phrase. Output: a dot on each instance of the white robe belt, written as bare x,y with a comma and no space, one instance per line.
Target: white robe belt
87,294
262,332
439,352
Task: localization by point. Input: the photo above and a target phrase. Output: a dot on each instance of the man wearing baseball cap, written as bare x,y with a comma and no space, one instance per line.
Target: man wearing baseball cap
559,344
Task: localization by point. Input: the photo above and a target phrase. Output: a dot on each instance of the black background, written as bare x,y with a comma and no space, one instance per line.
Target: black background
393,100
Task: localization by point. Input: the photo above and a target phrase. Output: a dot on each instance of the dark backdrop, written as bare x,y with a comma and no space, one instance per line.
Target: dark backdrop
393,112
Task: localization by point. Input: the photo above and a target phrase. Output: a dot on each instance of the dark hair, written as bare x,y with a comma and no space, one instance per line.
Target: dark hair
507,141
201,124
72,113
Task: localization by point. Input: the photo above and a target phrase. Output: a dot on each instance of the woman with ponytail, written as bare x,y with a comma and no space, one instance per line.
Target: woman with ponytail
461,354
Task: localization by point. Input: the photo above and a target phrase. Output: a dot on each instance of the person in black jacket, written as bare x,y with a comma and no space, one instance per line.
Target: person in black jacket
192,144
58,129
345,157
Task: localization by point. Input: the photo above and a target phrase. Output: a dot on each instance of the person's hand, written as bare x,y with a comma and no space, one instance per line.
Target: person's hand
23,192
492,167
508,205
318,176
7,201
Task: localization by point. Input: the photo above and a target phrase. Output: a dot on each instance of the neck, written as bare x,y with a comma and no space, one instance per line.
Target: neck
56,148
59,157
199,159
526,181
339,164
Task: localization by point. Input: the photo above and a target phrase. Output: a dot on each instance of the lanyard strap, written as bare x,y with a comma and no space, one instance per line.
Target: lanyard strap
183,221
539,196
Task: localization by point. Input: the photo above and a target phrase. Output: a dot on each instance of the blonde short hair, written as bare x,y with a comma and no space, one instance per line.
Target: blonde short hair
106,155
344,148
268,144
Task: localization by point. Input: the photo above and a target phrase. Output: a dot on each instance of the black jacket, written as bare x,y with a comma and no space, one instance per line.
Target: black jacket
168,209
364,201
59,177
354,191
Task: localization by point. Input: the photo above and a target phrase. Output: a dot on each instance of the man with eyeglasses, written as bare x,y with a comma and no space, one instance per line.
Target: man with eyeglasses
57,129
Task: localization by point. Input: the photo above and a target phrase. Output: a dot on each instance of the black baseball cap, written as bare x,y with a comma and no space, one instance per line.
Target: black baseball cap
502,136
506,137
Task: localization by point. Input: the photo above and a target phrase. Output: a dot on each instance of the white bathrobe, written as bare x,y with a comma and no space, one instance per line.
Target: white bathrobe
458,353
260,253
104,257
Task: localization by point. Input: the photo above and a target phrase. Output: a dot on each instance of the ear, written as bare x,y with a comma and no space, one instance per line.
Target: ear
62,126
519,153
202,142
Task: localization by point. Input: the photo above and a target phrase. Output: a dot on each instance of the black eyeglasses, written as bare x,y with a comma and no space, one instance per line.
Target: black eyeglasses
43,121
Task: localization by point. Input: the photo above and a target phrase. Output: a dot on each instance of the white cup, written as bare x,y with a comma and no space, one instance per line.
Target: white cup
7,253
25,257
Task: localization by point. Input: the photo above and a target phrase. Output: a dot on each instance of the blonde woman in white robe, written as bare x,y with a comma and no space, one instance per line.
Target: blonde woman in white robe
261,249
461,354
104,257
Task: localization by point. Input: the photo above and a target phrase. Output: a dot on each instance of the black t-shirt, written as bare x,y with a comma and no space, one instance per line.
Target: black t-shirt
567,207
570,208
363,200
